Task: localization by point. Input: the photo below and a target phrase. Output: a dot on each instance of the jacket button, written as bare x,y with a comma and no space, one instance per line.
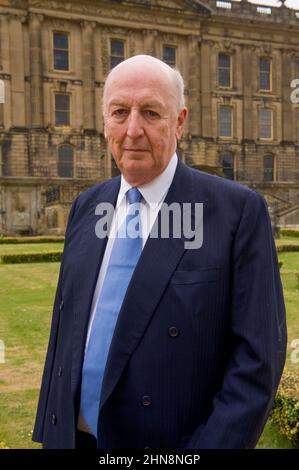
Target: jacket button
60,370
61,305
173,332
54,419
146,400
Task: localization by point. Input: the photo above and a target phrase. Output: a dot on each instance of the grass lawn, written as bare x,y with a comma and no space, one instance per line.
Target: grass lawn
26,299
287,241
291,295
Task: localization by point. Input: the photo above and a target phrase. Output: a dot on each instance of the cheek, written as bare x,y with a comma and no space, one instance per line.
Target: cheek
114,138
161,140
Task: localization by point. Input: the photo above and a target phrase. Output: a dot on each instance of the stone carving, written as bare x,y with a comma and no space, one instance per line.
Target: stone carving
20,214
35,17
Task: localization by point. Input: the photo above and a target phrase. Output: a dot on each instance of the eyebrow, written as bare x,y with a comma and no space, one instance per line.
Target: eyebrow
146,104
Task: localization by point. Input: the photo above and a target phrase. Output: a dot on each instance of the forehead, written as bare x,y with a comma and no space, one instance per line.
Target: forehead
140,87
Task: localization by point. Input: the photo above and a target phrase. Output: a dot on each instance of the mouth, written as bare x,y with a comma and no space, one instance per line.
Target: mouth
136,150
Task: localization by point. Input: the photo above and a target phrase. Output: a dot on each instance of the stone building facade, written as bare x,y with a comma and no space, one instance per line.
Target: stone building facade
237,59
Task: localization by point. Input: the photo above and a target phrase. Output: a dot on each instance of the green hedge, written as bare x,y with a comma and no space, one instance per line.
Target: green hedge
285,248
41,239
289,232
47,256
285,412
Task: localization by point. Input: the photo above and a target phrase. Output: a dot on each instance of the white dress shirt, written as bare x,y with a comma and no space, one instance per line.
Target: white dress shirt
153,195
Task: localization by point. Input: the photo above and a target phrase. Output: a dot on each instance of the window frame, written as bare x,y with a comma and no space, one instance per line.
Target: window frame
67,33
230,71
233,169
118,39
59,163
57,93
270,74
272,168
221,106
170,46
271,124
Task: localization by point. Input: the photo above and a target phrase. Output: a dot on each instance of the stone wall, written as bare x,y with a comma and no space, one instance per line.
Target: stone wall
30,140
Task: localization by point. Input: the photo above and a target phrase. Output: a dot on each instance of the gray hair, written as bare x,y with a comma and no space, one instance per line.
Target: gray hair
180,86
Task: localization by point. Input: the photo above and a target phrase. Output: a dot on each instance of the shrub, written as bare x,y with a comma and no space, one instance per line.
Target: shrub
289,232
47,256
285,248
41,239
285,412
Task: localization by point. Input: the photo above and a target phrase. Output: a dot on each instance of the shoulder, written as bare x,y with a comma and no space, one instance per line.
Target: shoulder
224,190
95,192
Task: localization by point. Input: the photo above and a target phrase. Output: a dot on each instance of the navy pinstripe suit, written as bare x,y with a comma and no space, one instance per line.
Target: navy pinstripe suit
200,341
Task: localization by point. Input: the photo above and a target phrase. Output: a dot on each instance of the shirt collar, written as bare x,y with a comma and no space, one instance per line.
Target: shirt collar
154,191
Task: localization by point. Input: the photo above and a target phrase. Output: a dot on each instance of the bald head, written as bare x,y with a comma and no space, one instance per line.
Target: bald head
151,67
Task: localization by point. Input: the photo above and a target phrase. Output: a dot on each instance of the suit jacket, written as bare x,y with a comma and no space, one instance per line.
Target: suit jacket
200,341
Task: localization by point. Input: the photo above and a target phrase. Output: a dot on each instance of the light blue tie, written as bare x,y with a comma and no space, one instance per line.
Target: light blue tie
123,259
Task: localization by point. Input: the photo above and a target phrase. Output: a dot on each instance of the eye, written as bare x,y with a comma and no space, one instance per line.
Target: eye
120,112
151,114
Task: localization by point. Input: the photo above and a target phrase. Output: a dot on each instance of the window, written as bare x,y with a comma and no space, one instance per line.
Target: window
62,110
169,55
224,70
65,161
227,163
117,55
53,194
61,51
6,161
225,121
265,74
266,124
268,168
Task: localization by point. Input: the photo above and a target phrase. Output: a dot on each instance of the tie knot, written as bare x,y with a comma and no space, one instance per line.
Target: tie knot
134,195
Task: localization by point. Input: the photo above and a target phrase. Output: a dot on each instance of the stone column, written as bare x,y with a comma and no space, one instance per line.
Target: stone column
1,104
17,70
206,108
149,38
36,72
88,68
194,86
287,115
247,93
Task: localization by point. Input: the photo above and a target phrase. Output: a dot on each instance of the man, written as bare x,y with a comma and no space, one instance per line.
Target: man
171,346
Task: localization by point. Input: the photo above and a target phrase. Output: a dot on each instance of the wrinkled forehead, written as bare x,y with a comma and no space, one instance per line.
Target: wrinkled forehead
140,82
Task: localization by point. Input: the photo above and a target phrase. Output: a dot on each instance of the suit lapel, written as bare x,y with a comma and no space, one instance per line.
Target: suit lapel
159,258
88,259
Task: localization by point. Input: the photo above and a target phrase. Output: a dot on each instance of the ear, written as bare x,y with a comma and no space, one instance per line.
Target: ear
180,123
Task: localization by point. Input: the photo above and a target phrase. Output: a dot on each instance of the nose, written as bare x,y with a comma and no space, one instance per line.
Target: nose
135,125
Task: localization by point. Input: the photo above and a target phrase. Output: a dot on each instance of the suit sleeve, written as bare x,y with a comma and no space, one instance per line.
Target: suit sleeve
46,379
258,329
